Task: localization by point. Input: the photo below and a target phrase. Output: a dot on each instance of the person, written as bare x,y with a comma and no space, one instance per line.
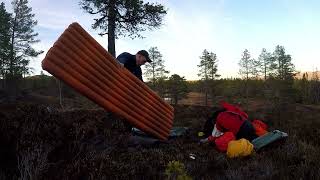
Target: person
229,118
134,62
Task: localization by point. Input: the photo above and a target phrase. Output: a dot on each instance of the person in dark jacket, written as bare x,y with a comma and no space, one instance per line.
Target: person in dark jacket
133,62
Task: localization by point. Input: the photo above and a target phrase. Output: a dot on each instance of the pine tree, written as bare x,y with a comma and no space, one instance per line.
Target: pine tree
5,19
266,63
255,68
284,76
204,66
212,66
285,68
315,88
208,71
156,72
178,88
22,37
246,64
123,17
155,69
246,71
305,97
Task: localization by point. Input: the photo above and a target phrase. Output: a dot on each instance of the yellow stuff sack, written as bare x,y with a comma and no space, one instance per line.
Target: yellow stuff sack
239,148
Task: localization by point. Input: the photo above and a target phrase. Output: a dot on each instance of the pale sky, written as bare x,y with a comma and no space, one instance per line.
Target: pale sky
225,27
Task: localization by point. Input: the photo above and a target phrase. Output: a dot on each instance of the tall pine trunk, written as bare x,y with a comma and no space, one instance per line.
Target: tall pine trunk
11,68
112,28
11,77
265,71
153,77
206,91
60,94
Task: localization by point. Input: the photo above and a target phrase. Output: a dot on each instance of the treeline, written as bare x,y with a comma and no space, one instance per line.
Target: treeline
176,88
270,76
16,39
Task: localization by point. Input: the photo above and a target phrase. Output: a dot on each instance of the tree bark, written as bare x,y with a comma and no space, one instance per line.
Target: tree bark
60,94
176,100
11,77
112,28
11,69
265,71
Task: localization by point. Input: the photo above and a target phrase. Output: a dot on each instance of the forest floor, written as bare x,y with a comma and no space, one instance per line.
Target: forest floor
40,140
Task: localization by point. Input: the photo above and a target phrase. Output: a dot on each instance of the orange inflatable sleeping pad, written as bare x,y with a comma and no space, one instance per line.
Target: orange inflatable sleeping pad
81,62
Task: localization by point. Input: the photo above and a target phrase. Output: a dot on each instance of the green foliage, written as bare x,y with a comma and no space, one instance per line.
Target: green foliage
285,68
208,73
23,36
235,88
122,17
278,72
281,84
307,89
176,170
156,72
177,88
247,70
16,40
208,66
274,90
161,86
246,64
156,69
5,29
265,64
194,86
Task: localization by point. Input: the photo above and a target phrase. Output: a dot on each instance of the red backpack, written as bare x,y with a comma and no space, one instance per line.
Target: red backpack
233,108
223,141
231,119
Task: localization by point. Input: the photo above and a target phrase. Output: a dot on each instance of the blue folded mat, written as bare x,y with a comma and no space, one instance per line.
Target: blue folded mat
268,138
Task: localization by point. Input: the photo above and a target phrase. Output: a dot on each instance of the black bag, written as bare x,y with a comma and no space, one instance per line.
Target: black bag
209,124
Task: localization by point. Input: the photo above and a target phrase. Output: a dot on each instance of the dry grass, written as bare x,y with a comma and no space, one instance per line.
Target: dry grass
81,144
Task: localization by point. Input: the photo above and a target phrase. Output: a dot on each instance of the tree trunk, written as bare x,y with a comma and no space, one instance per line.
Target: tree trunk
175,99
11,69
11,77
265,71
247,95
206,89
153,77
206,98
112,28
60,94
212,91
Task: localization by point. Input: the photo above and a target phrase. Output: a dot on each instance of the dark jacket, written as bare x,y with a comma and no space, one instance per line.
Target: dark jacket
129,62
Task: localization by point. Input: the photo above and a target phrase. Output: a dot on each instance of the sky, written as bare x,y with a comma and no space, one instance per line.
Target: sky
225,27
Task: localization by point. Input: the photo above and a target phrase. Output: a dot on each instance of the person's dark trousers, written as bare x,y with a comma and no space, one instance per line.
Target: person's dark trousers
247,131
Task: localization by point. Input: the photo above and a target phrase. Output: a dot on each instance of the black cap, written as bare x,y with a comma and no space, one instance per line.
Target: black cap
145,54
